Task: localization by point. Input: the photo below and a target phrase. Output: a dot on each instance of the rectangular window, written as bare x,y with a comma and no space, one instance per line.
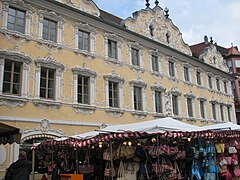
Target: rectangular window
225,87
210,81
221,111
202,110
171,69
83,89
186,74
155,66
158,101
12,77
49,30
112,49
229,113
83,40
16,20
138,98
47,83
198,76
135,57
175,104
218,84
113,94
214,111
190,107
237,63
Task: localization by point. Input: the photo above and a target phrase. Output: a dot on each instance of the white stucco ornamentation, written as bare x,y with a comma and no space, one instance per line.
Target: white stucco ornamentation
211,56
153,24
41,131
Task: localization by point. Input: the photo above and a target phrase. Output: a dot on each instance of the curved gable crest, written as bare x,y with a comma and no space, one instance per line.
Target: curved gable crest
87,6
211,56
153,24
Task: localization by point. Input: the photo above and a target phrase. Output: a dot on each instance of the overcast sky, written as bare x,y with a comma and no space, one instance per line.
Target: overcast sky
195,18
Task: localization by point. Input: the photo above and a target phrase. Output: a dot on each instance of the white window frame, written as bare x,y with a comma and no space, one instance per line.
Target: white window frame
143,86
19,57
158,87
204,100
137,46
192,97
216,109
174,61
92,39
21,5
212,81
88,73
48,62
119,42
157,54
176,92
189,73
54,17
201,77
118,79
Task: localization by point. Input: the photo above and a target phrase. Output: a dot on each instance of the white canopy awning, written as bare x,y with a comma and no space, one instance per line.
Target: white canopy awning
157,125
222,126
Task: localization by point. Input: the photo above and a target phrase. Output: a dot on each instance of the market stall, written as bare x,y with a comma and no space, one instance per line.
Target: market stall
159,149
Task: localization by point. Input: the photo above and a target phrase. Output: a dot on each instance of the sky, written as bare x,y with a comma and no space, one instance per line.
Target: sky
219,19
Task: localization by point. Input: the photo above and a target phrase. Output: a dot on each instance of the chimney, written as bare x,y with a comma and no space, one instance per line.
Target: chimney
205,39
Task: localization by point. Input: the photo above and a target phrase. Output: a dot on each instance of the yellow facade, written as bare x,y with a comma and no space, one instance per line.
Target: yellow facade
62,116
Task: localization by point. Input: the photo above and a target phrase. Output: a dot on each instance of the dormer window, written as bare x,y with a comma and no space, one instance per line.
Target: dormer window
214,60
168,38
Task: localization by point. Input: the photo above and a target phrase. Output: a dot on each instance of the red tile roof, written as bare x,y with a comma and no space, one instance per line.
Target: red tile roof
109,17
233,51
197,49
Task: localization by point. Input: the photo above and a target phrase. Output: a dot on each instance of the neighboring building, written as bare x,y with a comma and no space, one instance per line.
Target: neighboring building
232,58
68,67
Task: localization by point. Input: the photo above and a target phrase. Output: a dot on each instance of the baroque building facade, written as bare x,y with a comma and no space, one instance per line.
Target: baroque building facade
67,67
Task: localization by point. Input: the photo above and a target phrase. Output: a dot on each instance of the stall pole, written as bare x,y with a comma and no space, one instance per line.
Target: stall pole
158,158
77,161
33,163
111,157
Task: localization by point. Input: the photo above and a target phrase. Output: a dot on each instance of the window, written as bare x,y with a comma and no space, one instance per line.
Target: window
112,49
137,93
47,83
202,109
225,87
83,40
214,116
237,62
16,20
198,77
12,77
155,65
135,57
83,86
113,94
158,102
175,104
218,84
186,73
49,30
210,82
229,113
221,111
190,107
171,69
83,89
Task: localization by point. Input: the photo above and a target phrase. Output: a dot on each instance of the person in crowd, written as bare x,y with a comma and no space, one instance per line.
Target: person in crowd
20,169
55,171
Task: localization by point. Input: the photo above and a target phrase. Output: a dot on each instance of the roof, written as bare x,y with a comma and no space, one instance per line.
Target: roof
197,49
233,51
109,17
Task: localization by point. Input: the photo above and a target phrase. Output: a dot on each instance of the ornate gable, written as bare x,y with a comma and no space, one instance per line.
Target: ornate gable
211,56
153,24
87,6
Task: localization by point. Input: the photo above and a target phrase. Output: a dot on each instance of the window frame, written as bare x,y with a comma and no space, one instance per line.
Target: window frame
157,87
111,37
210,84
214,112
202,106
218,87
221,108
49,22
138,48
22,6
47,79
186,72
112,50
175,104
138,102
82,78
113,77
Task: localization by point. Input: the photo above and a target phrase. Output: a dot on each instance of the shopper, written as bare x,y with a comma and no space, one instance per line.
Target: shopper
20,169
